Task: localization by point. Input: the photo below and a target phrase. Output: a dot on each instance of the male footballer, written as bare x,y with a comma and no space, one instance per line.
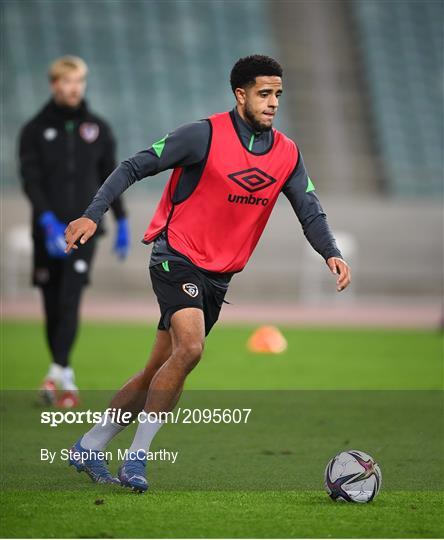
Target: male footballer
228,171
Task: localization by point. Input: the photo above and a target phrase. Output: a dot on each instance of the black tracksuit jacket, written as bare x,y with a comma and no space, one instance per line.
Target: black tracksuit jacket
65,154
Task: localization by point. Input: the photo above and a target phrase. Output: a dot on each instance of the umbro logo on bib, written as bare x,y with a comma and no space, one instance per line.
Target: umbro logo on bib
190,289
252,179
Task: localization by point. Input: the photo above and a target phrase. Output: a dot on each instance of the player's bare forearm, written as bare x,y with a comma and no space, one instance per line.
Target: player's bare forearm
340,268
80,229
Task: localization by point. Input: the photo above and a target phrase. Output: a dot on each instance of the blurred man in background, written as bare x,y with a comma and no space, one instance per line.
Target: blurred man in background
65,153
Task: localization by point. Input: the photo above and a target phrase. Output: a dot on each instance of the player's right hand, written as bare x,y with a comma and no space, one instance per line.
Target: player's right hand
80,229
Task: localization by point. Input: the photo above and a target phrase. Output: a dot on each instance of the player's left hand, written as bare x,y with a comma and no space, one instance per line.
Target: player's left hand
342,270
122,241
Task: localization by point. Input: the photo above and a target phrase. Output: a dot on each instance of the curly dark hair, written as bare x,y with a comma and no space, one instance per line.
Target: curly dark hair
246,69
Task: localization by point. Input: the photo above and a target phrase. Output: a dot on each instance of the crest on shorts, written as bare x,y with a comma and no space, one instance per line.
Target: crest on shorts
89,131
190,289
41,275
80,266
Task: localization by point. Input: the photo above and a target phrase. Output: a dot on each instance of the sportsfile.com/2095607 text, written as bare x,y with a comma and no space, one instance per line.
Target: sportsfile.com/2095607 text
181,415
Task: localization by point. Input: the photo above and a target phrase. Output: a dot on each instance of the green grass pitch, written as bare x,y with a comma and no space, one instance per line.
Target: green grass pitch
333,389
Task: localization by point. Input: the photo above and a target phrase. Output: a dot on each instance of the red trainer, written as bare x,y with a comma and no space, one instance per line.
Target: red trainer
48,392
68,400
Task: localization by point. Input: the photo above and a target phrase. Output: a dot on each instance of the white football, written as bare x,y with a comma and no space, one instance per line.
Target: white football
353,476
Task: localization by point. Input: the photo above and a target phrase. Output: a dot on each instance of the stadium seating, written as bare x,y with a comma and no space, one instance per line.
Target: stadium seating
401,45
153,65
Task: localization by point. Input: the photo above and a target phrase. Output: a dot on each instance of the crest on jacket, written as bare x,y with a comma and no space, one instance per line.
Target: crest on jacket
89,131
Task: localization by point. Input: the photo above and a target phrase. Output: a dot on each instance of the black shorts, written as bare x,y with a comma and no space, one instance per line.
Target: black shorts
76,266
180,285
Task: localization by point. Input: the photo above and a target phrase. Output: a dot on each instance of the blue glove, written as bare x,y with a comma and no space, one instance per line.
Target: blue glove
122,242
54,235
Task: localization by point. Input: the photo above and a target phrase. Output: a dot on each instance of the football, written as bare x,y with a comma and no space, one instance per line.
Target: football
353,476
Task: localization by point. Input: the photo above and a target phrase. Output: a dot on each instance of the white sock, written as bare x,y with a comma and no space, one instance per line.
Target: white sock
67,381
144,435
99,436
55,373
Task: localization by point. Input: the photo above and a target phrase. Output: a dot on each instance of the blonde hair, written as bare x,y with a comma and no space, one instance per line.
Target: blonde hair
64,64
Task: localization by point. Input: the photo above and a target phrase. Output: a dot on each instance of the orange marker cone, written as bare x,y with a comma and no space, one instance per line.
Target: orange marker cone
267,339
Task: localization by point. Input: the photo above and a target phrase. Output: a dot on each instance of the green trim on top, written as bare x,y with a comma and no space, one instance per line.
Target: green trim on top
165,266
310,185
159,146
69,125
250,144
